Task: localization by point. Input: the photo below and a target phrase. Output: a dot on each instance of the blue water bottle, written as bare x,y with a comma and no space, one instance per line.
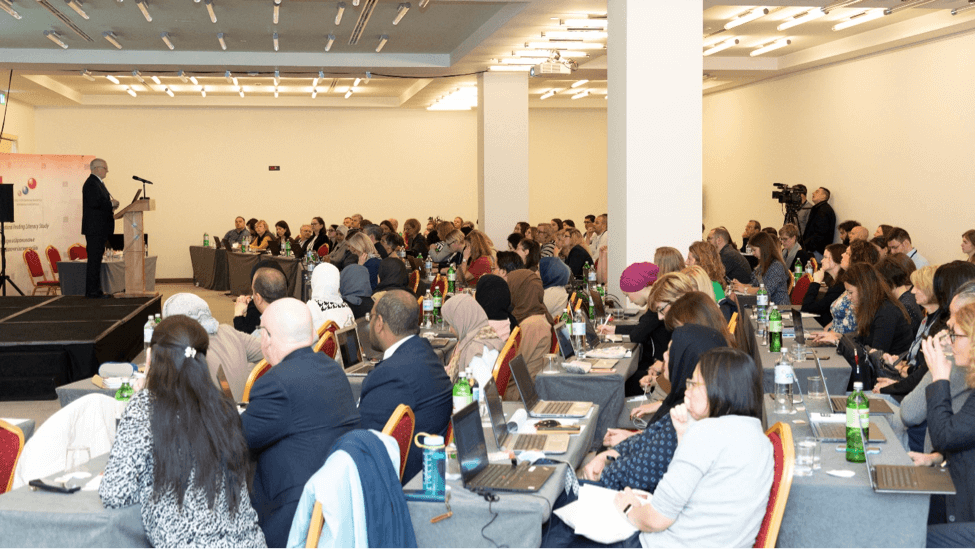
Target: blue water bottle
434,464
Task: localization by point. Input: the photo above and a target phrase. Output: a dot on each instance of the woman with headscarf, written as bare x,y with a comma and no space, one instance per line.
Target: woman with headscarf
230,349
493,295
392,276
533,319
640,460
555,276
469,322
356,290
326,299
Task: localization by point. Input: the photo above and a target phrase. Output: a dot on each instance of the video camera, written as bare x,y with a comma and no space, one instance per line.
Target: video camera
790,196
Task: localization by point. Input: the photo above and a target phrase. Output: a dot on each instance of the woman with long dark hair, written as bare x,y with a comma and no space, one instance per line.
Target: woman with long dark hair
829,273
771,270
180,450
416,243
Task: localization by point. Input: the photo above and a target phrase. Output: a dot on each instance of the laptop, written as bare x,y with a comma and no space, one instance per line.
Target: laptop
836,432
350,351
543,408
797,329
549,444
909,479
564,335
479,475
838,403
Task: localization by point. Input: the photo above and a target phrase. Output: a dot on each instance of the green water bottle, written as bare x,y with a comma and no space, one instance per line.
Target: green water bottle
206,240
437,303
797,268
124,392
451,279
774,330
857,422
462,393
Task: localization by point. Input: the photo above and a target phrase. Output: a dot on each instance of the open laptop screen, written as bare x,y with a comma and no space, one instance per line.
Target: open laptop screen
471,447
349,347
524,381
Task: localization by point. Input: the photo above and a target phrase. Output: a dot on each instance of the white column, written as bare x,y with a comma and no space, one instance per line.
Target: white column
654,129
502,153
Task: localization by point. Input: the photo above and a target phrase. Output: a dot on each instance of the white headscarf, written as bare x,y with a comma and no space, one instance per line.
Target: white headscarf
192,306
325,283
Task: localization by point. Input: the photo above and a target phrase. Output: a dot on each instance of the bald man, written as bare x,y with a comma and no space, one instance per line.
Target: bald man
859,233
296,411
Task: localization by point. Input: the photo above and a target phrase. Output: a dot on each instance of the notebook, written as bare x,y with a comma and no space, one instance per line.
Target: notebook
838,403
479,475
550,444
542,408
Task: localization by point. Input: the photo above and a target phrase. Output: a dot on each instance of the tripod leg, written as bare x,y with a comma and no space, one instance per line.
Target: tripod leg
7,280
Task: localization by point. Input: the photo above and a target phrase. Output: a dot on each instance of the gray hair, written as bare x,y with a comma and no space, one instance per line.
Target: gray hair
193,306
966,292
400,312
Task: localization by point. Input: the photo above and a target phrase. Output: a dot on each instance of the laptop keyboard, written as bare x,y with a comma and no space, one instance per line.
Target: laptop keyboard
556,408
500,476
529,442
898,477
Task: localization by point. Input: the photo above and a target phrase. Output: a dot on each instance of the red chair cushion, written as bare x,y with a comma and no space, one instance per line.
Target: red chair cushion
799,291
9,451
34,263
776,481
403,433
77,252
53,256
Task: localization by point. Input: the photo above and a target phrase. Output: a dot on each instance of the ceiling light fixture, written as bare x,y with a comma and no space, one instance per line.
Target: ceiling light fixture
382,42
228,76
576,35
523,60
339,13
138,76
970,6
209,5
780,43
356,83
78,7
565,45
596,23
510,68
722,46
165,38
348,94
746,17
277,11
314,93
275,38
580,95
907,5
401,12
111,79
234,80
170,93
194,81
578,83
203,91
8,7
112,39
144,8
87,74
840,4
547,94
423,3
802,18
277,78
242,93
156,80
314,82
275,92
182,76
130,91
223,43
56,38
331,40
355,2
860,19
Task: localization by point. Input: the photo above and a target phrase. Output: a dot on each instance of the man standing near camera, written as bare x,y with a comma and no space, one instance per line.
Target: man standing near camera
822,224
97,224
803,213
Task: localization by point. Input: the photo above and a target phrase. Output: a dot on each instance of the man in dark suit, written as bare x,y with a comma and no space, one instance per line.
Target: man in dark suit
410,373
822,224
97,224
296,411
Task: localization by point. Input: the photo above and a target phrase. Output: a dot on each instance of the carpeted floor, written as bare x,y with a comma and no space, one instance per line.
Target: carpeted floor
221,306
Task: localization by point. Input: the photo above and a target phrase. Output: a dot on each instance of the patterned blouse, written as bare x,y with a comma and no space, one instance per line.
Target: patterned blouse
844,318
644,458
776,280
128,481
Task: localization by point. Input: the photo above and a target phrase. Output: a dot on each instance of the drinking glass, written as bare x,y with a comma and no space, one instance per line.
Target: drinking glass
806,450
799,352
815,388
75,458
552,368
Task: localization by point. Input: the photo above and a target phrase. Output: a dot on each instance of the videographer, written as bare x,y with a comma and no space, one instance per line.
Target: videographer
796,207
822,224
804,210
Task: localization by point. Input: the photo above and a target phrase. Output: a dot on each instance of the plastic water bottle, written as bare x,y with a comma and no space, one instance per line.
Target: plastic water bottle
462,395
579,333
601,288
287,248
206,240
428,309
124,392
809,268
434,465
592,308
797,269
147,332
243,244
857,418
761,302
774,330
451,279
158,318
428,267
437,303
476,395
784,377
591,278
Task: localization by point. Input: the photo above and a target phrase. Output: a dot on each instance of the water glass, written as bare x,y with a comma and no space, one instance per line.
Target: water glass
815,388
799,352
552,368
74,460
807,449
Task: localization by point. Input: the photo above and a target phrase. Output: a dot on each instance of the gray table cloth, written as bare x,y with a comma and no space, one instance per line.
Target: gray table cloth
605,390
73,391
45,519
239,266
836,368
210,268
72,276
519,516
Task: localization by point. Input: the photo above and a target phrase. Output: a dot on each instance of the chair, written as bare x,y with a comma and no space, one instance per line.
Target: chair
780,435
262,367
77,251
414,280
328,326
53,256
11,445
328,344
36,270
419,301
502,367
733,323
400,426
440,282
798,292
323,250
449,437
554,349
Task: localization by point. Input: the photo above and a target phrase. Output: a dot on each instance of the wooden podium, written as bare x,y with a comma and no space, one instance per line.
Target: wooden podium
135,247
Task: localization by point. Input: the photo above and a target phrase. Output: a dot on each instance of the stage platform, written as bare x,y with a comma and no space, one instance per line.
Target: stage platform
49,341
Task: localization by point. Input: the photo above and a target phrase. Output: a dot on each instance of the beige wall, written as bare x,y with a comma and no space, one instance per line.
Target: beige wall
20,123
892,136
210,165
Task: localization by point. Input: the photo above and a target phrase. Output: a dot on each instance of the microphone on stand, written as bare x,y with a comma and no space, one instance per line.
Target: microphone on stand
144,183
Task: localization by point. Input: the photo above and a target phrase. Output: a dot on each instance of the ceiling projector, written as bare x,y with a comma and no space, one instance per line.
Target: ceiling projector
551,67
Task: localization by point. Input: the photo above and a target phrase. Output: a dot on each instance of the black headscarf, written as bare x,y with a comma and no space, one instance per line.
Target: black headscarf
393,276
689,342
494,296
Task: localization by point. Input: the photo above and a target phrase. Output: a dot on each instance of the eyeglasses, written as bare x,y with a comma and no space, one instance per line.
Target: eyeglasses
661,310
265,330
953,336
692,384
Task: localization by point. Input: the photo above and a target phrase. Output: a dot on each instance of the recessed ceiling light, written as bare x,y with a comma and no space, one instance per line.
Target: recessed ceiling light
746,17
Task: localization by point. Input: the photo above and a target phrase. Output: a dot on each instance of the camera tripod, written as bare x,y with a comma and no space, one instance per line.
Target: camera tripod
4,279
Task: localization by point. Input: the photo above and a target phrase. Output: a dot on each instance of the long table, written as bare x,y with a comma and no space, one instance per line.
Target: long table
227,270
210,268
835,367
515,519
72,274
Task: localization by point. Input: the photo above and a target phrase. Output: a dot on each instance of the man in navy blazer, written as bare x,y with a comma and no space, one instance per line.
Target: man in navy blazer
296,411
97,224
410,373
